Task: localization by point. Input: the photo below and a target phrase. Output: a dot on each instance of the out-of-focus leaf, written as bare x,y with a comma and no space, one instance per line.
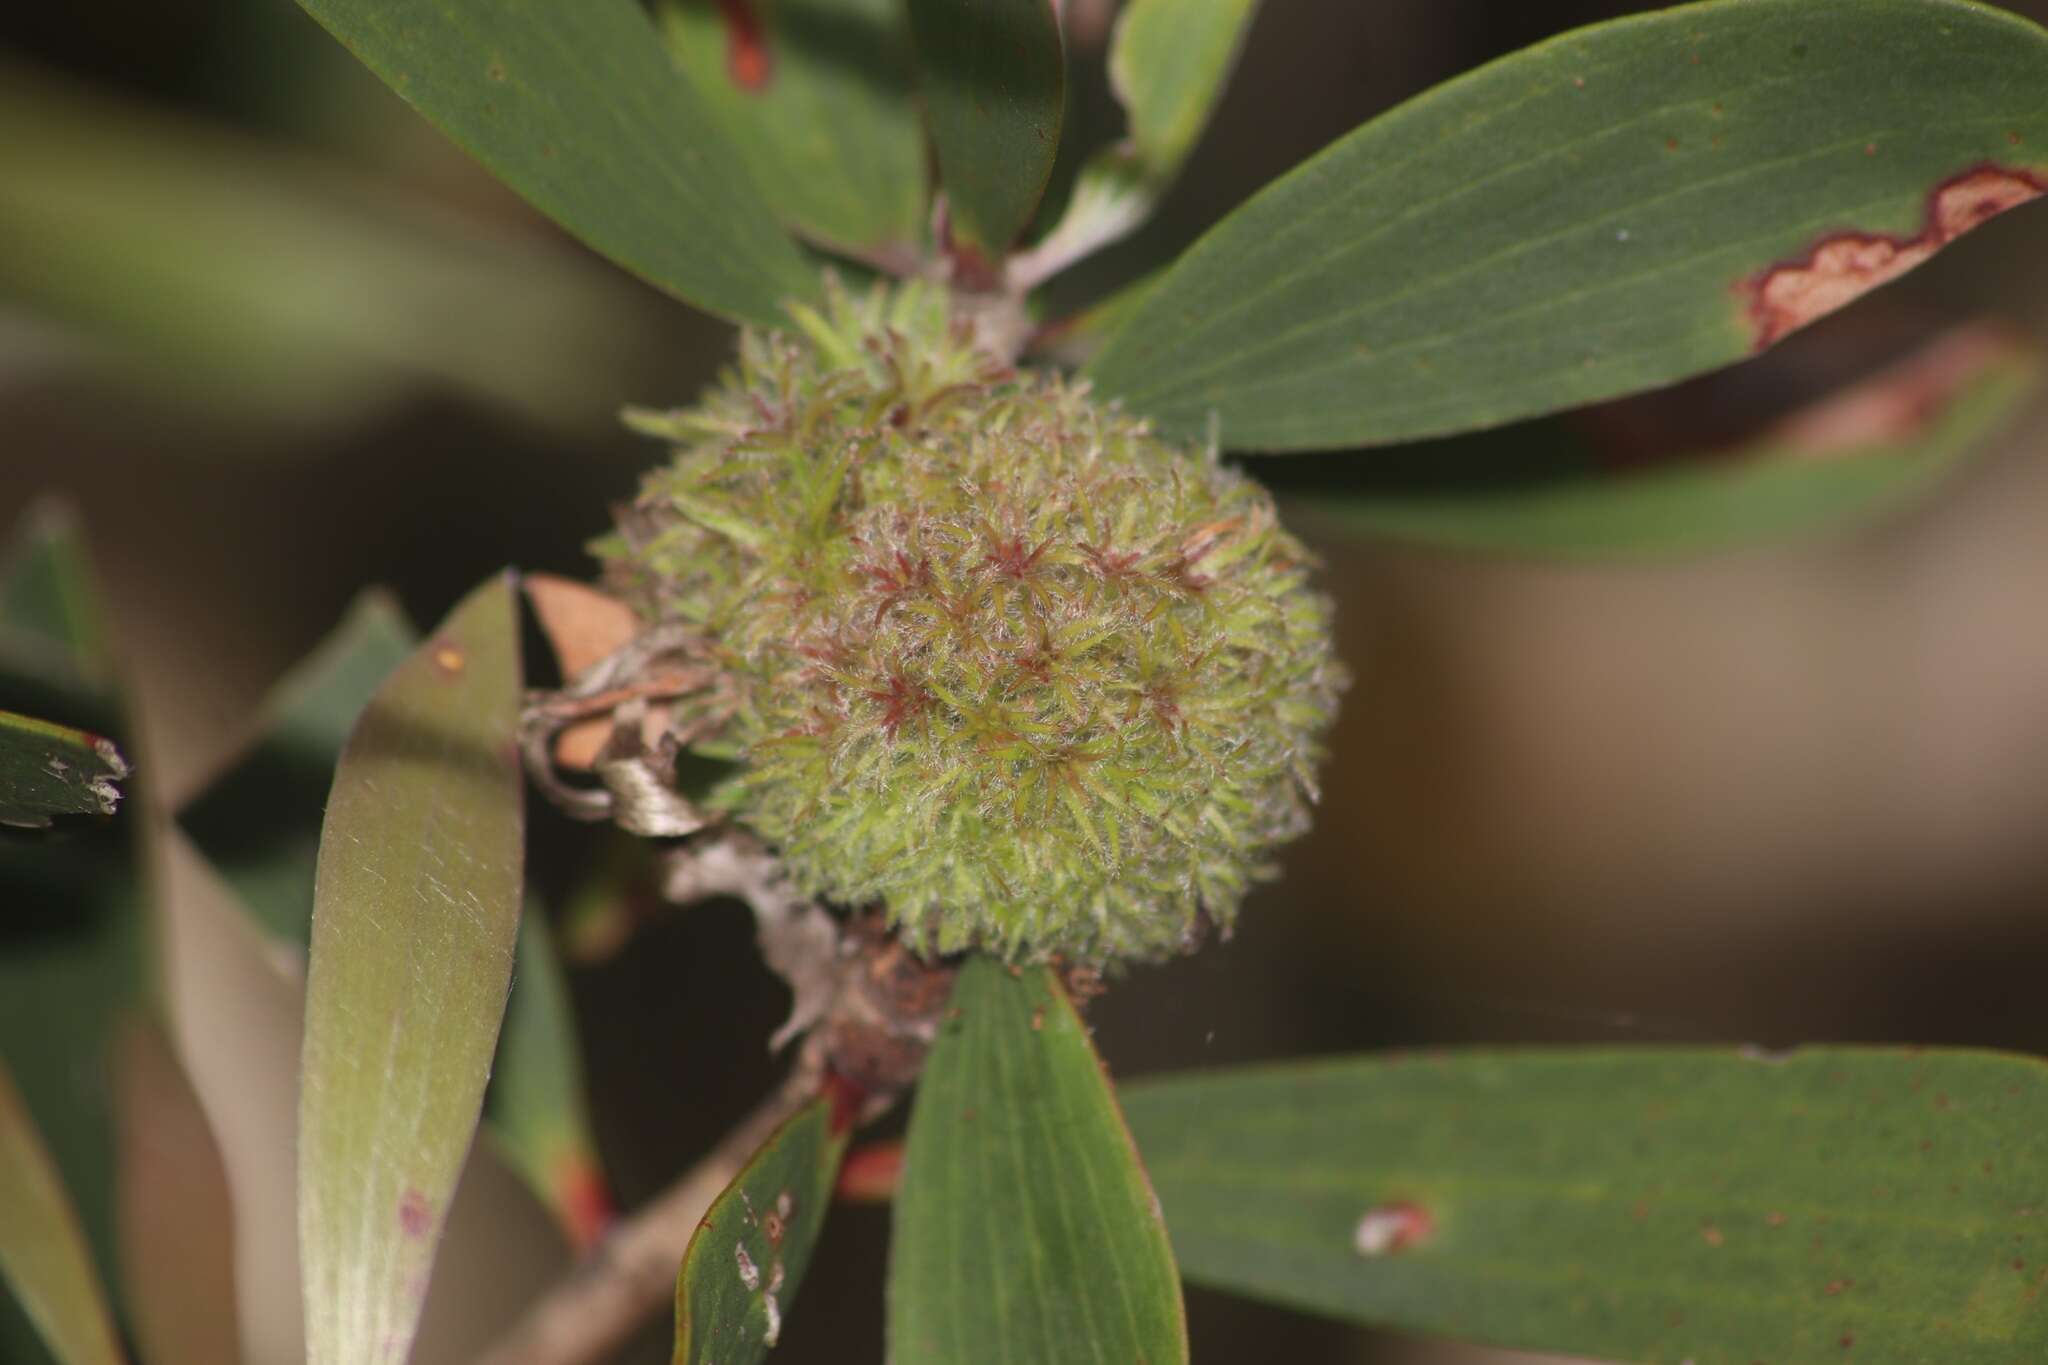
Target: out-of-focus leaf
71,940
252,279
536,1102
1608,211
48,770
259,821
994,78
1849,458
176,1214
416,909
748,1255
259,824
1831,1204
1023,1216
578,109
816,95
50,622
43,1256
1168,60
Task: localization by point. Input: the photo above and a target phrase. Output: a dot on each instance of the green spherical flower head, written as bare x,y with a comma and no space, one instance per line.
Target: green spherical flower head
995,657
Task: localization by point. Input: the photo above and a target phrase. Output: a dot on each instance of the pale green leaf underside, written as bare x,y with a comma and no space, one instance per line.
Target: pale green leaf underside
818,101
578,109
416,905
48,770
749,1253
1883,1207
1773,487
1025,1231
1592,216
994,79
43,1256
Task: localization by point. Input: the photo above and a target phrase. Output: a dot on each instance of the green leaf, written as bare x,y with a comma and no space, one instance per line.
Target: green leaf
994,77
48,770
71,940
1024,1217
749,1253
259,821
177,253
1167,63
1645,1205
816,95
50,618
1852,458
1608,211
43,1255
536,1103
1168,60
416,909
578,109
259,825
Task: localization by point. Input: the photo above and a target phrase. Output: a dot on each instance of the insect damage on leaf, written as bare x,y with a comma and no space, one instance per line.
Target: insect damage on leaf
1843,266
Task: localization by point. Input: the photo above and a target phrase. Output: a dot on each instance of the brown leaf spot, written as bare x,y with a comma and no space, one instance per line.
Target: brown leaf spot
1389,1229
415,1214
1842,267
1774,1219
747,59
1845,265
1712,1235
1835,1287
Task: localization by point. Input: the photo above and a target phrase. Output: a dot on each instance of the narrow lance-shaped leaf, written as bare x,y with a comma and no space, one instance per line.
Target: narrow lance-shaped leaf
48,770
1848,458
994,79
1023,1216
43,1256
71,941
750,1251
536,1104
1829,1205
816,94
181,250
259,824
176,1211
1168,60
1608,211
259,821
578,109
416,909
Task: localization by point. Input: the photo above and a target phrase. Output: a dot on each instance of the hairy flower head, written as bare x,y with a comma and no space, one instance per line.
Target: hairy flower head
996,658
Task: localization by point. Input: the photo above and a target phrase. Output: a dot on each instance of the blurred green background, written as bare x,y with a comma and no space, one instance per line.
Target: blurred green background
278,341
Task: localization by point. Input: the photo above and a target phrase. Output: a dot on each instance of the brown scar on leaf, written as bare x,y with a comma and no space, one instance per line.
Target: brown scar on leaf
1843,266
747,59
1901,400
415,1214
